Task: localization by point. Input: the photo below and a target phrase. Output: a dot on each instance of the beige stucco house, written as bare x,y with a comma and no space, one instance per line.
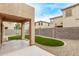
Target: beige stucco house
71,16
42,24
56,21
19,13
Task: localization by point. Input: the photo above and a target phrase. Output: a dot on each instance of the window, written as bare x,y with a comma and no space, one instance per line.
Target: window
6,27
41,23
59,26
68,13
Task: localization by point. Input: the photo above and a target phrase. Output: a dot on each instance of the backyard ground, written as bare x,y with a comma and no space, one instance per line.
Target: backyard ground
40,40
21,48
71,48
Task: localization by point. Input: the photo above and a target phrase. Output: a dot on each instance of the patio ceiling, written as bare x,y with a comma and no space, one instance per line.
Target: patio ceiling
12,18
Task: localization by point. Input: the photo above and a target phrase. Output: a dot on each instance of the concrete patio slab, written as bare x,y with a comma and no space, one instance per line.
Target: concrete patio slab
21,48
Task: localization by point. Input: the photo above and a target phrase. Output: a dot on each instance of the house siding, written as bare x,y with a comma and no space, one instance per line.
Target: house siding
44,25
72,21
56,21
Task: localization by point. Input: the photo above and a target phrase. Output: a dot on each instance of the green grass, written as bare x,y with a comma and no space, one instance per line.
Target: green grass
17,37
41,40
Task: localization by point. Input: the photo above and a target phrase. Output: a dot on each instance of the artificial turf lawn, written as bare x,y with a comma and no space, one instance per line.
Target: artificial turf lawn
40,40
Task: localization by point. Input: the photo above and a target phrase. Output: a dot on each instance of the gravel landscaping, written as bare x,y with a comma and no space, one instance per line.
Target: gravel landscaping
71,48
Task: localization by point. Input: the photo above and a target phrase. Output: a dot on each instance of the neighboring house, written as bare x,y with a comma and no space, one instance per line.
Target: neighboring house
56,21
71,16
42,24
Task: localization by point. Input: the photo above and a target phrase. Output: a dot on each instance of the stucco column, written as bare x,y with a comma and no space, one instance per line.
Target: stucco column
3,33
22,31
1,36
31,32
0,31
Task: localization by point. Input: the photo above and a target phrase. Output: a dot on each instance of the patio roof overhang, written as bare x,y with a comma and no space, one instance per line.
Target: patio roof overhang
12,18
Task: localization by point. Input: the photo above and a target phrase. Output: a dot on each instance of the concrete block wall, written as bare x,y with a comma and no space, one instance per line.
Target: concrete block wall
61,33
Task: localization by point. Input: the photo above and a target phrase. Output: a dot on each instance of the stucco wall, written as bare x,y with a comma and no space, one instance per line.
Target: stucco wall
18,9
72,21
52,25
56,21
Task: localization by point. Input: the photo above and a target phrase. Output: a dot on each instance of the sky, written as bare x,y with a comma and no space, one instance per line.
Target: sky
44,11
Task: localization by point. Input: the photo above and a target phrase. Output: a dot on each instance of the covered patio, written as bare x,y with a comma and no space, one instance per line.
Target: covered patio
12,18
19,13
19,47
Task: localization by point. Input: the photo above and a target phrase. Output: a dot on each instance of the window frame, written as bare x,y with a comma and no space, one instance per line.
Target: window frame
68,12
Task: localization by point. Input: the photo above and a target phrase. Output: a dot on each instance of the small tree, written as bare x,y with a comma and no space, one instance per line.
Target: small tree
17,27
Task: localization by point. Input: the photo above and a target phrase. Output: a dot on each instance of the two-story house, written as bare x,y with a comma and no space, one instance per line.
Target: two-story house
71,16
56,21
42,24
